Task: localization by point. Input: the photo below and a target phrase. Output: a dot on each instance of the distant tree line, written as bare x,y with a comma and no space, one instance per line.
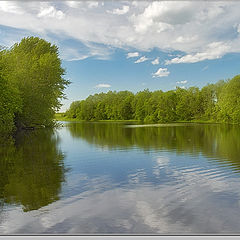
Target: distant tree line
219,102
31,84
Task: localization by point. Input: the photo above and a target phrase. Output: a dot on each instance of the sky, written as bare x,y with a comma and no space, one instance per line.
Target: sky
131,45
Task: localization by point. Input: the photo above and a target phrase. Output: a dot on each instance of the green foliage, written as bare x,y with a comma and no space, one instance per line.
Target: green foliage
33,67
10,104
215,102
229,101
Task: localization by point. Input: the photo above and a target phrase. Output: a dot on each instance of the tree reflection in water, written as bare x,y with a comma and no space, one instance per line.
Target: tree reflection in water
31,169
215,141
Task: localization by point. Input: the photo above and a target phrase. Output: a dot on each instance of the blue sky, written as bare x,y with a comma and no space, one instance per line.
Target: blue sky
121,45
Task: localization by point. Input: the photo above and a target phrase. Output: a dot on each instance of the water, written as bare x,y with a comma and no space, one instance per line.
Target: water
115,178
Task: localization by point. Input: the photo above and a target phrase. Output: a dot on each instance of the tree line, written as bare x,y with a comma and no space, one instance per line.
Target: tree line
31,84
219,102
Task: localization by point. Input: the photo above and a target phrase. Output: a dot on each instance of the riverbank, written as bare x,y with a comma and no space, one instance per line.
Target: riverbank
62,117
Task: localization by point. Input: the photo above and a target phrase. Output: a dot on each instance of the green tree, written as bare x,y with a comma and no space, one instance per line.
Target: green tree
140,104
73,109
167,107
34,67
229,101
10,103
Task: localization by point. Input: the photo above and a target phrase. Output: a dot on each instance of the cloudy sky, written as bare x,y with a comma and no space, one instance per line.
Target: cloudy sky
132,45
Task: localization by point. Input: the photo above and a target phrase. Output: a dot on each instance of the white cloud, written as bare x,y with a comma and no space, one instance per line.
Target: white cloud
205,68
10,7
141,59
82,4
80,52
155,62
161,72
51,12
161,16
213,51
132,54
186,39
238,28
73,4
103,85
72,55
164,25
182,82
92,4
119,11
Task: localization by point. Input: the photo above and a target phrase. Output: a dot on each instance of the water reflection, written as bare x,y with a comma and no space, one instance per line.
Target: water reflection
142,210
31,169
137,180
215,141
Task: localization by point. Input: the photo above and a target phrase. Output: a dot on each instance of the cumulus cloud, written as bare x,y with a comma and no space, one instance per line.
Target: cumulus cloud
103,85
186,39
132,54
51,12
182,82
161,72
214,50
165,25
82,4
155,62
92,4
141,59
73,4
10,7
119,11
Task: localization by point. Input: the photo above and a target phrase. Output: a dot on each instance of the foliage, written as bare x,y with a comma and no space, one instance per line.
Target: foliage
215,102
229,101
32,69
10,104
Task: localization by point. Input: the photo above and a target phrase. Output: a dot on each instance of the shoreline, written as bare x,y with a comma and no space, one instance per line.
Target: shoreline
140,123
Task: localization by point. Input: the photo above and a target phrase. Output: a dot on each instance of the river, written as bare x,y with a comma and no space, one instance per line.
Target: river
120,178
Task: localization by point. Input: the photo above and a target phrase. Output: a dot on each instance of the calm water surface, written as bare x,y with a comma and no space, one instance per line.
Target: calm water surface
97,178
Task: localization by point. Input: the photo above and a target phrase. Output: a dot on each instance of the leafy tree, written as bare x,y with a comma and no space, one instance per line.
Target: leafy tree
72,111
10,103
229,101
34,67
167,107
219,101
140,104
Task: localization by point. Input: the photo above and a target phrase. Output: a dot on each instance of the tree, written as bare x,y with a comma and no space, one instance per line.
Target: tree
229,101
34,67
167,107
140,104
72,111
10,103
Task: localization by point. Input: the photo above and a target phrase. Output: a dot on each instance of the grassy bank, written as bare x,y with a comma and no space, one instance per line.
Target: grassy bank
63,117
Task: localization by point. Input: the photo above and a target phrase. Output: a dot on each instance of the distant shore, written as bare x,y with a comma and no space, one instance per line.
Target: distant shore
61,117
